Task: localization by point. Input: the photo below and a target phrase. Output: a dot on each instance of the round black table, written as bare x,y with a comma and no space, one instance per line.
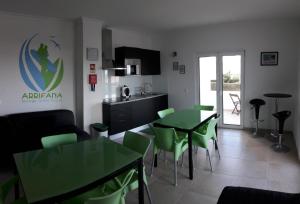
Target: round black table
277,96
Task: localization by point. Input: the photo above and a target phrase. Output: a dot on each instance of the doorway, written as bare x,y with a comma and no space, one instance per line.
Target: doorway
221,78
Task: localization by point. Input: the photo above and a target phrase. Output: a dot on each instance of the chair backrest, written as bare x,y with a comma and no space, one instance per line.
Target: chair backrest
164,113
55,140
116,197
164,138
136,142
6,187
203,107
211,131
234,97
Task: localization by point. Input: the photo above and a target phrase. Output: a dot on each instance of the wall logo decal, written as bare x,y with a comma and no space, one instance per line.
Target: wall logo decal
41,68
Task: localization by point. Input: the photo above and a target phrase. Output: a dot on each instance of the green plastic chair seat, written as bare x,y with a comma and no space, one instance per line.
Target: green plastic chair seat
147,131
133,183
203,128
140,144
164,113
112,192
203,107
169,140
56,140
202,140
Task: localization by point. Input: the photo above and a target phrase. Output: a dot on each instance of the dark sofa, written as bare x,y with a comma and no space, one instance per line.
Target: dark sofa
243,195
23,131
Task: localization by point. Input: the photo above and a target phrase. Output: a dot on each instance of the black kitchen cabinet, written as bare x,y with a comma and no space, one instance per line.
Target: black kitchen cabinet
150,59
150,62
125,116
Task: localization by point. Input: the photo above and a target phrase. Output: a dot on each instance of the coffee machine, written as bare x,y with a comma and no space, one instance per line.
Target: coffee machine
125,92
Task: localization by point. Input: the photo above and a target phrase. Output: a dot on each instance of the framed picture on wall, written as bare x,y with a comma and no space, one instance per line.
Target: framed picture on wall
182,69
269,58
175,66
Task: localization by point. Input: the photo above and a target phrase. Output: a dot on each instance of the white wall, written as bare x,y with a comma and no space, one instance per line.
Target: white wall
253,38
15,29
89,104
297,112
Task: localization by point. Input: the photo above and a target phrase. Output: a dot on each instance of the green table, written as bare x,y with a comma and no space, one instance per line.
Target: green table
186,121
56,174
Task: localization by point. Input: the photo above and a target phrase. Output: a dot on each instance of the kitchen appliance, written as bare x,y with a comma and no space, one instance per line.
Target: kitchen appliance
125,92
132,67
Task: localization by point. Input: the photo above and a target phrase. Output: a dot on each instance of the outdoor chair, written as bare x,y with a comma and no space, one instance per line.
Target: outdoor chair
236,102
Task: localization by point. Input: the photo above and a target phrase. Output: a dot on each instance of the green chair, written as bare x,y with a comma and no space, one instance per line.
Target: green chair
167,139
140,144
202,129
164,113
112,192
203,107
202,140
55,140
6,187
161,114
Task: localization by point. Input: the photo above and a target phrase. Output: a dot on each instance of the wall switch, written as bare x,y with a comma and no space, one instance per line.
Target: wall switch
186,91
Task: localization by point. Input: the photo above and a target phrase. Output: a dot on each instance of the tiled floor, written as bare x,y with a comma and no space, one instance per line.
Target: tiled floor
245,161
231,118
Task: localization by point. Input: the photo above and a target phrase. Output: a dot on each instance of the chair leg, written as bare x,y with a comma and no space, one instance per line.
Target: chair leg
175,171
207,152
182,159
148,193
152,165
217,148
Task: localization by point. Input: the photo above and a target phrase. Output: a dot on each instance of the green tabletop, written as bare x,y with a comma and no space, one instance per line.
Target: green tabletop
47,173
187,119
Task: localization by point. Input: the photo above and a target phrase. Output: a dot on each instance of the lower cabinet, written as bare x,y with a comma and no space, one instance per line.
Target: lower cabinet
125,116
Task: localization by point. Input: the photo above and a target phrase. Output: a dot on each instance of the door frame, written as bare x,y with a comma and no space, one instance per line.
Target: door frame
219,86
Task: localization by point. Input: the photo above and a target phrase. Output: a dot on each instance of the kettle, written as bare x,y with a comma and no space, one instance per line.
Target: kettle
125,91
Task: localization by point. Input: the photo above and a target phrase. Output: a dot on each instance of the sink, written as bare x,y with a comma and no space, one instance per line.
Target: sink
151,94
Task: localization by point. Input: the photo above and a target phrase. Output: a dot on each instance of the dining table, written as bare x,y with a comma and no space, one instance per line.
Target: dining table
55,174
187,121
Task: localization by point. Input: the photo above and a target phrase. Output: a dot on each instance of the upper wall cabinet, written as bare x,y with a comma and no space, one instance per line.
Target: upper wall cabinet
150,59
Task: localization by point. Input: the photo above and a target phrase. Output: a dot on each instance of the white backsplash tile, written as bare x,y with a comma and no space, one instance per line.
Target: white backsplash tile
112,84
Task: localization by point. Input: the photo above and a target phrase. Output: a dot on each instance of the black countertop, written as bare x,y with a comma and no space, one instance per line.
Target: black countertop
119,100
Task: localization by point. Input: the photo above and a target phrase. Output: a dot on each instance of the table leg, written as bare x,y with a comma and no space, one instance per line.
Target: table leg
190,149
16,187
276,110
274,133
155,160
141,181
216,130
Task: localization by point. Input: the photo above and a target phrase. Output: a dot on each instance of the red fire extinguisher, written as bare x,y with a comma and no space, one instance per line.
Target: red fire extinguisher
92,81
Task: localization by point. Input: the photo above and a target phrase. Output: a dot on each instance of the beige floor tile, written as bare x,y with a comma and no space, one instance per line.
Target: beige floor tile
192,197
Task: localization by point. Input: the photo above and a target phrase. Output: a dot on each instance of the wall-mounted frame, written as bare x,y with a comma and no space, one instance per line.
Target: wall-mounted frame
92,54
269,58
181,69
175,66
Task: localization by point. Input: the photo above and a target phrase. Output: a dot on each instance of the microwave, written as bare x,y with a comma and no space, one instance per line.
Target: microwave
132,67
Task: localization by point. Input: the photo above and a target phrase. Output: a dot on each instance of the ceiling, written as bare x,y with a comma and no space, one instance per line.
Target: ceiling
158,14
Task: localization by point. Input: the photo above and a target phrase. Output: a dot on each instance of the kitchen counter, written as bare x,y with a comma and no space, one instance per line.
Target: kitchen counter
119,100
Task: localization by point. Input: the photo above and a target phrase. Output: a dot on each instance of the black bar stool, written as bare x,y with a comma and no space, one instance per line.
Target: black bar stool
281,117
256,103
